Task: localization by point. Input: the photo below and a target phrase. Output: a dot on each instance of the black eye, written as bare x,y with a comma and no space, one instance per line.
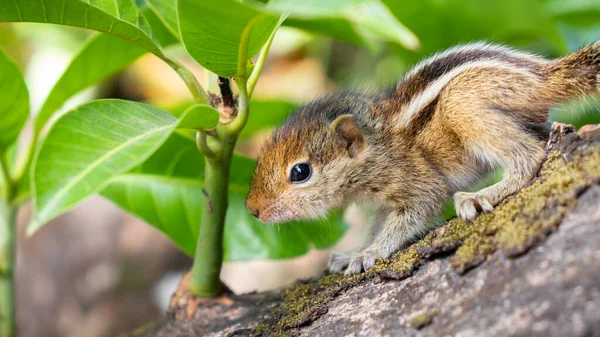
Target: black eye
300,173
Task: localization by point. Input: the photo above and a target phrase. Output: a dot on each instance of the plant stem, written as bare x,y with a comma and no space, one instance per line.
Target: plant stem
205,274
260,63
262,57
25,162
8,212
203,145
200,96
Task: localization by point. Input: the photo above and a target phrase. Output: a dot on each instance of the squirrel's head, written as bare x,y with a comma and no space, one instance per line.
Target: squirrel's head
307,168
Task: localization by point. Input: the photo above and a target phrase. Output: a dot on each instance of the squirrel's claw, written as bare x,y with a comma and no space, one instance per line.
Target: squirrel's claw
355,266
466,205
362,261
356,262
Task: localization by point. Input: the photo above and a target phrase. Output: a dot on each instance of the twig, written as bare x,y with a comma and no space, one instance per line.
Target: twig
226,93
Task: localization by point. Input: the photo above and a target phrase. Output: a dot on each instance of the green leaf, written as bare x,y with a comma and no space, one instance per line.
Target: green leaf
213,32
121,18
311,8
199,116
166,192
517,22
374,19
365,19
580,13
557,7
338,28
245,238
162,32
14,101
91,65
87,147
167,12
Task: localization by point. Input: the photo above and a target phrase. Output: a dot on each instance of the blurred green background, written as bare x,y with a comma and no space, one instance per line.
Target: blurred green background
114,273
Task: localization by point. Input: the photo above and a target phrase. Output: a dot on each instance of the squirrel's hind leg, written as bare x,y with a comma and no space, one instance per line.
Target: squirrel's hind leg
519,153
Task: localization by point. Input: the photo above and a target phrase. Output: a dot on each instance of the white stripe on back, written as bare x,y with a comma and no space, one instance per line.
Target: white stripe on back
425,97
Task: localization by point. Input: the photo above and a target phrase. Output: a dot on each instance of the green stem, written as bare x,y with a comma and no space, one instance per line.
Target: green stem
8,212
200,96
260,63
243,108
202,144
205,273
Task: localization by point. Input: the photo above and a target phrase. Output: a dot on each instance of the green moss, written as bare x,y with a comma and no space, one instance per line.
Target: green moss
261,329
522,220
422,320
515,225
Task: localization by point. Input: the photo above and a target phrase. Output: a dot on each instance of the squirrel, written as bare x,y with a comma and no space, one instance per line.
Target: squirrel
452,119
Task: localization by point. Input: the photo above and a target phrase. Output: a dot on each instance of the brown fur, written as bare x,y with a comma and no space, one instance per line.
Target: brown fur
448,122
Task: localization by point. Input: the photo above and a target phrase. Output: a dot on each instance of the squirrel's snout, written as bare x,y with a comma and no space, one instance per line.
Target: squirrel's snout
252,207
254,211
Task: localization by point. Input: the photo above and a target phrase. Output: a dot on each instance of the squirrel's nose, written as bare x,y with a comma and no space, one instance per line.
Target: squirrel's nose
252,209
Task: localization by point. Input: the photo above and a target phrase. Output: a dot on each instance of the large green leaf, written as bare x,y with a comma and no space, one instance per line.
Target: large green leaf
93,64
246,238
449,23
163,32
167,11
14,101
87,147
121,18
362,19
575,12
213,31
338,28
166,192
311,8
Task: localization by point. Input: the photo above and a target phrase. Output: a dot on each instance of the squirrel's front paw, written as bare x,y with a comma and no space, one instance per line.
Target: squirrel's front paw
362,261
466,205
338,261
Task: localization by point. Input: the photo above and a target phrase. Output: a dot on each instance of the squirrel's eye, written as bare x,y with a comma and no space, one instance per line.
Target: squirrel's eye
300,173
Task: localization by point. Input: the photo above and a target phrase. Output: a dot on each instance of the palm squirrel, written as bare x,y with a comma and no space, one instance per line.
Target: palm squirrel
452,119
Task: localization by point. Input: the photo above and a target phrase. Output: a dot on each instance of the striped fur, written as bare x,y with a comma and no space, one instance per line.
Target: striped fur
449,121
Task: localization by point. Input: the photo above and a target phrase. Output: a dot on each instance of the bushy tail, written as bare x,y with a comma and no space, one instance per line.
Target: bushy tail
576,74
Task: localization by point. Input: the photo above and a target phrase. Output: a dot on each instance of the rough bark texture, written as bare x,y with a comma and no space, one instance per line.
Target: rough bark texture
532,267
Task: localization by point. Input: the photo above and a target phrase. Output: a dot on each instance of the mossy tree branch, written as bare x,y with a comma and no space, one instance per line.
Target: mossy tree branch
438,265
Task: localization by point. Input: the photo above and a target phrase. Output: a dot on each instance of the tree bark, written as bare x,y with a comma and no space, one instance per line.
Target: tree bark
532,267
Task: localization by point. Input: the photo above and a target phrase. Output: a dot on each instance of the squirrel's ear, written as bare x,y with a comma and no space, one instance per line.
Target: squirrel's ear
346,130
